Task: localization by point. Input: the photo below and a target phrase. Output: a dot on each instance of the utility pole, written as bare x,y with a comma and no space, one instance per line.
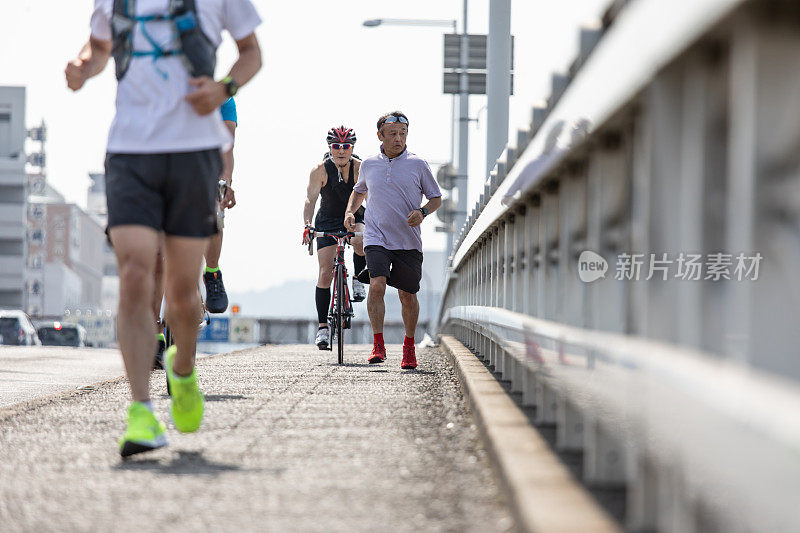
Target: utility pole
498,79
463,131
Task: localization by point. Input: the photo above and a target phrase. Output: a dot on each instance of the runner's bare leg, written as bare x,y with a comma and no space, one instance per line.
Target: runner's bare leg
376,308
409,308
184,259
136,248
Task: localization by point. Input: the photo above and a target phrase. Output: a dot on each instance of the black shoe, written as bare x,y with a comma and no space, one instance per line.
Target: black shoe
158,363
216,297
363,276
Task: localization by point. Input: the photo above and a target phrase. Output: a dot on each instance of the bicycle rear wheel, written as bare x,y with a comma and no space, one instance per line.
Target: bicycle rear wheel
340,310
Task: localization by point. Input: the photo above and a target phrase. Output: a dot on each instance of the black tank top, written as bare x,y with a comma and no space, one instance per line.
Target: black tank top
336,192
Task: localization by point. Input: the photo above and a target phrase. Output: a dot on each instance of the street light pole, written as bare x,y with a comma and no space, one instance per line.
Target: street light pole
463,134
498,79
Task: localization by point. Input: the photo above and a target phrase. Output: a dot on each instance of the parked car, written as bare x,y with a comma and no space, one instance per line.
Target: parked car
61,334
17,329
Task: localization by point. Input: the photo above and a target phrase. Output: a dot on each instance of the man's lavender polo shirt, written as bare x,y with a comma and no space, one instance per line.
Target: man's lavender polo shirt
395,188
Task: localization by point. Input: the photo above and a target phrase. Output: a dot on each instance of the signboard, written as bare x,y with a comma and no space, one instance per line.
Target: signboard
476,63
243,330
216,331
476,51
100,329
476,83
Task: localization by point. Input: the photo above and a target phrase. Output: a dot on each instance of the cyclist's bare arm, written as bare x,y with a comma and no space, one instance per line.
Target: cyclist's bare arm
356,199
90,62
227,169
316,182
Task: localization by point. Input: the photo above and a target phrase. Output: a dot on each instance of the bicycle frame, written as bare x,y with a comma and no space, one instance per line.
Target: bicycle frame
340,275
340,311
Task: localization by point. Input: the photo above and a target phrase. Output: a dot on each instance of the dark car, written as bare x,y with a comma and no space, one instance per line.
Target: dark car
17,329
59,334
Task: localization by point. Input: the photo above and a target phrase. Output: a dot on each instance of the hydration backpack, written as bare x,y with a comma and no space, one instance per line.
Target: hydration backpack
197,52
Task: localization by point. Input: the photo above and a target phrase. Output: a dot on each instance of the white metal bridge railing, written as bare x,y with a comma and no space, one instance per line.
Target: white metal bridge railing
677,132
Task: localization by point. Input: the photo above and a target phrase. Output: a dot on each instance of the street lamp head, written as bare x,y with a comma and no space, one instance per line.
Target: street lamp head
372,23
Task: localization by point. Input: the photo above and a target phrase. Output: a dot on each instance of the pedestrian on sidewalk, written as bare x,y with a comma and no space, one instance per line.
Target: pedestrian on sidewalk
396,181
163,162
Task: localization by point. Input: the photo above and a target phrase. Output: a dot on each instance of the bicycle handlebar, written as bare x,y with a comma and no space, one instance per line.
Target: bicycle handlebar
334,234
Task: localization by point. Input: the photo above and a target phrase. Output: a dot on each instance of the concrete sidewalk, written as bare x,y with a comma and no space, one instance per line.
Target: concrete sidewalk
290,442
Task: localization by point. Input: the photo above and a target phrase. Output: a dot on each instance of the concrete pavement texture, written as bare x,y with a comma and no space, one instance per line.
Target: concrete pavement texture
291,441
32,372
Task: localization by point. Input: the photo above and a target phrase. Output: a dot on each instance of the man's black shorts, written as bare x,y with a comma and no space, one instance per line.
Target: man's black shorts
172,192
402,268
326,222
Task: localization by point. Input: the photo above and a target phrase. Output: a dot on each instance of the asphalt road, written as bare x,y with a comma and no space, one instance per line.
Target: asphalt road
290,442
27,373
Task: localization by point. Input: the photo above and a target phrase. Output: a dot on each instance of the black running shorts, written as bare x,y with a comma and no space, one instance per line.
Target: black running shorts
173,192
325,222
402,268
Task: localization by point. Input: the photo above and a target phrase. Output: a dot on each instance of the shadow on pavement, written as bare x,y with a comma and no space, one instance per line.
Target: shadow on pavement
186,463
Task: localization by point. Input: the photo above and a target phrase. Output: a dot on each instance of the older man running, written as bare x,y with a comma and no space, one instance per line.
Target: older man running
396,180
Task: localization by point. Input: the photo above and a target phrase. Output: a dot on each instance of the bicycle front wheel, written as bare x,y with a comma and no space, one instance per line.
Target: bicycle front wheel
340,305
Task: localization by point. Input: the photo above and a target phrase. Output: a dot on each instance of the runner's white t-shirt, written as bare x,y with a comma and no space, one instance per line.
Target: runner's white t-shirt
152,115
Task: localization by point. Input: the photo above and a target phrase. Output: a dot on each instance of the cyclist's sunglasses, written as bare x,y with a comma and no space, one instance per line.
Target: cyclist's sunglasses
392,119
341,146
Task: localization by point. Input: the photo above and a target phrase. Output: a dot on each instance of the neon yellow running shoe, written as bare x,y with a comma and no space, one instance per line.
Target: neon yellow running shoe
187,401
144,432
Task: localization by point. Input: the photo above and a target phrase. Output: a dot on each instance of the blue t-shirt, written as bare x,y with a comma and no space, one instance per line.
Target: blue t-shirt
228,110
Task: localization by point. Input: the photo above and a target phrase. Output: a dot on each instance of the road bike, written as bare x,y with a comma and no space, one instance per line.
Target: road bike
340,311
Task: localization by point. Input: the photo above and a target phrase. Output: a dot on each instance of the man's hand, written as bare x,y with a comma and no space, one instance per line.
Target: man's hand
229,200
75,74
307,235
415,218
208,96
350,221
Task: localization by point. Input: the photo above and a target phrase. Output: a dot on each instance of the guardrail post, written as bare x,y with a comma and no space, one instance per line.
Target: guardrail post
662,198
604,459
569,426
546,402
528,386
550,285
533,253
642,495
572,240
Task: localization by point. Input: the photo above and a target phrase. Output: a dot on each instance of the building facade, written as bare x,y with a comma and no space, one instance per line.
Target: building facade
13,198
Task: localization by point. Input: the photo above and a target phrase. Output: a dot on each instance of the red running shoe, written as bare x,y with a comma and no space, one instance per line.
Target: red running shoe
409,358
378,354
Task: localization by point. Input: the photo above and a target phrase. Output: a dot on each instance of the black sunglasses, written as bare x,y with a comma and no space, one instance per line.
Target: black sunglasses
341,146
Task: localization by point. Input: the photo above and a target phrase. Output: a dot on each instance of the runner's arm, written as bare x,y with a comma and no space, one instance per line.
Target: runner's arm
227,169
415,217
356,199
210,94
90,62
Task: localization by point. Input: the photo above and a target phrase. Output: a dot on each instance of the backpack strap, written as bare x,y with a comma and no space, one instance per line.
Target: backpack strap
122,23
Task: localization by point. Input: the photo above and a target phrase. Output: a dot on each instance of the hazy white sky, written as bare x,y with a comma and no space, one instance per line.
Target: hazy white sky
321,68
